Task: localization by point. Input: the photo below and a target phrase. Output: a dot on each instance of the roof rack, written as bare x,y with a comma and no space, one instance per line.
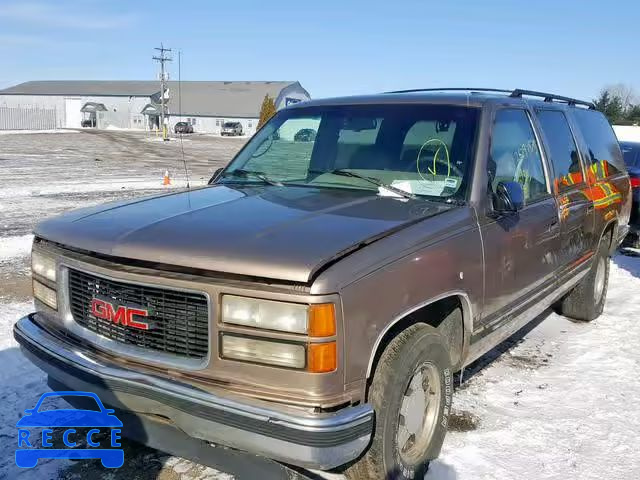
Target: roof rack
517,93
550,97
454,89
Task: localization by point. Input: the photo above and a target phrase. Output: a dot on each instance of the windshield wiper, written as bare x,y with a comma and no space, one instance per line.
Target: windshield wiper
240,172
375,181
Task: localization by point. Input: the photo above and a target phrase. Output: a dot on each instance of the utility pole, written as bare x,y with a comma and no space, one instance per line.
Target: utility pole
162,59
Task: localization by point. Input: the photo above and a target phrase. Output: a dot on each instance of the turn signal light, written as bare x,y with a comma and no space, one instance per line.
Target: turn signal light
322,320
322,357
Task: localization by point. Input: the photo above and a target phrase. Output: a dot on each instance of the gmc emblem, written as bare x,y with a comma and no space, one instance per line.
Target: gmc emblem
121,314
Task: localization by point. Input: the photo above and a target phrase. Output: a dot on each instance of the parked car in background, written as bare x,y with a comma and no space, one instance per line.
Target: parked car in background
183,127
313,302
231,129
631,152
305,135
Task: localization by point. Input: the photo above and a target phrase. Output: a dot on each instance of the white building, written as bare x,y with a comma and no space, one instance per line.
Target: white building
627,133
136,104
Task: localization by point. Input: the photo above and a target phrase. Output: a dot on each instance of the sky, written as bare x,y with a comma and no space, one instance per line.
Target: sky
568,47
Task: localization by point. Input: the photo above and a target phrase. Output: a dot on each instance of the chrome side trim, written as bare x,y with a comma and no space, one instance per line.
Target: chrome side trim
467,317
493,339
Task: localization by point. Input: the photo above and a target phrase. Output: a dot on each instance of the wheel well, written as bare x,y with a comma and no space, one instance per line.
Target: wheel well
446,315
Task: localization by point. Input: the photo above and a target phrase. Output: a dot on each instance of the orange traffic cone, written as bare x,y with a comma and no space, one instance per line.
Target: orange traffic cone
166,180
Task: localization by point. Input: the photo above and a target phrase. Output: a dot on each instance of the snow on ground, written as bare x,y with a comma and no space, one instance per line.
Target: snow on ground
171,141
560,404
41,176
31,132
563,404
21,385
81,186
15,247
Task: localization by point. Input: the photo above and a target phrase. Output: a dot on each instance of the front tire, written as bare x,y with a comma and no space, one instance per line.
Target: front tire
586,301
411,394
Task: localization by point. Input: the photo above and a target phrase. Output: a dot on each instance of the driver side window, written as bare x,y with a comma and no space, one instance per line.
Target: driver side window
515,155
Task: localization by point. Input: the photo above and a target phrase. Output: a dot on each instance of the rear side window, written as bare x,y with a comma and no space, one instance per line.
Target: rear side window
604,150
563,149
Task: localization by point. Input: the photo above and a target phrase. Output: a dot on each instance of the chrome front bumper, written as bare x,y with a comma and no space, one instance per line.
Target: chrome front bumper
322,441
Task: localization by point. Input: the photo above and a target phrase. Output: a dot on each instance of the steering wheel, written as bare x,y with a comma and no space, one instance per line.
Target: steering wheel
263,142
451,168
446,161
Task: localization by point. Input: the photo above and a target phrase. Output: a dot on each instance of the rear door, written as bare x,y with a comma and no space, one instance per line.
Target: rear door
570,187
605,170
520,260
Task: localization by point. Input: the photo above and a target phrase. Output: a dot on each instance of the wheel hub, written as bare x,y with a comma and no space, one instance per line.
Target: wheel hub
601,270
418,413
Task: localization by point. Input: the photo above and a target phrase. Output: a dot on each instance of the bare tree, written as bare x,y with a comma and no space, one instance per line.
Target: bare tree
624,92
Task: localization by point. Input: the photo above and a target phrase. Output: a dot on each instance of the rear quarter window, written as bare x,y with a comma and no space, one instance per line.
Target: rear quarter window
601,142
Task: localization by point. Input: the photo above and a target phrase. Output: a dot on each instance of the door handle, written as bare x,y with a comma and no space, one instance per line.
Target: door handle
552,226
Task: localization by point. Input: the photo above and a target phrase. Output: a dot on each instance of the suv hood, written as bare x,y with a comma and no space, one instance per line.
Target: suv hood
272,232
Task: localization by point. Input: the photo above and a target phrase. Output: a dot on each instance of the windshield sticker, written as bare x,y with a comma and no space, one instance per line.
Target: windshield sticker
433,188
451,182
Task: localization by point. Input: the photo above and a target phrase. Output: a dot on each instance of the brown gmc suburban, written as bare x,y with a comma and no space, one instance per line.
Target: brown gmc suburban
312,303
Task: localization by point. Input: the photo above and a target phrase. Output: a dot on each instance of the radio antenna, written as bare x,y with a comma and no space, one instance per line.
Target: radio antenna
184,160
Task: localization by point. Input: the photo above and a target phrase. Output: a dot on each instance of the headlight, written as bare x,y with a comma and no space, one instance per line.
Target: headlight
43,265
267,314
318,320
314,352
46,295
279,354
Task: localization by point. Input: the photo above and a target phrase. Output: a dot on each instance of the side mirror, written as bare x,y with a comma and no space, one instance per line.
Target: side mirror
509,197
215,175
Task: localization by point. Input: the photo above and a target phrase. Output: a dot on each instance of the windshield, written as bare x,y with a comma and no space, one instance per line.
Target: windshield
229,125
421,149
631,152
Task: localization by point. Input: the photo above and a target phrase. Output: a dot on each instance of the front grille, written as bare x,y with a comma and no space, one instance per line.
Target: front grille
180,320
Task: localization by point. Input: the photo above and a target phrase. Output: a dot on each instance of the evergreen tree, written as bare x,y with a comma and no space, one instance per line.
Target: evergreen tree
633,114
267,110
611,106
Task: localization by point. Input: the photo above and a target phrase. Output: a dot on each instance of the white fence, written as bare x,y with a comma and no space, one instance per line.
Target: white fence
23,118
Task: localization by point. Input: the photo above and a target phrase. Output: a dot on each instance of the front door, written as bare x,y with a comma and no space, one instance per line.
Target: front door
520,259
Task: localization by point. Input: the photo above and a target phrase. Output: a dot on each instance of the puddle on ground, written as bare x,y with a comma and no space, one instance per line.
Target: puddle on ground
531,361
462,421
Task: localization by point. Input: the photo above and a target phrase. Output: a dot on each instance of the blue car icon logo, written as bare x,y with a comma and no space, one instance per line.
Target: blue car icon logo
68,421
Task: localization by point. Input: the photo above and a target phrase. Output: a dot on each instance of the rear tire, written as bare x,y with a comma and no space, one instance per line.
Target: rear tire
586,301
411,395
